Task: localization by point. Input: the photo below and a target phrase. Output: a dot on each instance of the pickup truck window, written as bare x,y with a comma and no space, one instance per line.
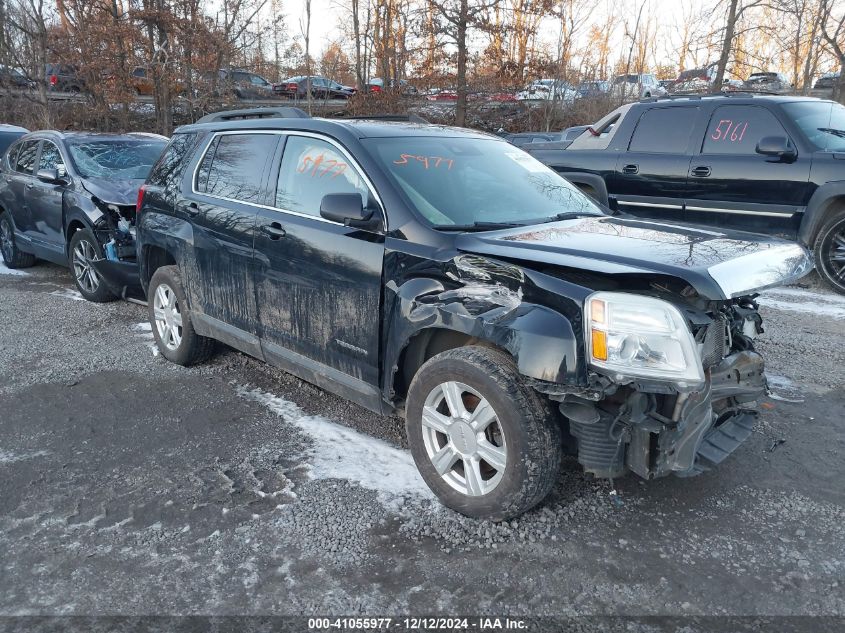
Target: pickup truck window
737,129
663,130
233,166
312,168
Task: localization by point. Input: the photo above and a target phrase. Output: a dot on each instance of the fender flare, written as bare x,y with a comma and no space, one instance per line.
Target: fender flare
824,200
592,180
541,341
170,234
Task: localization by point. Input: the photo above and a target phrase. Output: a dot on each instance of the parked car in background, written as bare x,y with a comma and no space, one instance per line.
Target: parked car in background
769,164
64,78
474,291
548,90
9,134
774,83
319,87
69,198
143,84
524,138
14,78
695,81
826,81
400,86
244,84
593,89
633,87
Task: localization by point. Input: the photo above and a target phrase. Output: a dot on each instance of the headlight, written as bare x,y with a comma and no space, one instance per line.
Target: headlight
636,336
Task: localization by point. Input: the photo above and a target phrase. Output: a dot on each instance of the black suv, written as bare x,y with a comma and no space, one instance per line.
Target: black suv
69,198
770,164
448,276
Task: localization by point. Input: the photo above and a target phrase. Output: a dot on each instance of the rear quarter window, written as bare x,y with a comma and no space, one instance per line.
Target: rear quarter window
664,130
233,166
737,129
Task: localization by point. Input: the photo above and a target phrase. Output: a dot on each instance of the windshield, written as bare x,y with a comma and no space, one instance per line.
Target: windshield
823,122
464,181
115,159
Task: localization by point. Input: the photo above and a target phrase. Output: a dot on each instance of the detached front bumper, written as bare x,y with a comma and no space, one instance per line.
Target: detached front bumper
122,277
704,427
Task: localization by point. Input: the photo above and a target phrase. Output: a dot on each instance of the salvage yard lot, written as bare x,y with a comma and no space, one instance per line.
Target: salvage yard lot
130,485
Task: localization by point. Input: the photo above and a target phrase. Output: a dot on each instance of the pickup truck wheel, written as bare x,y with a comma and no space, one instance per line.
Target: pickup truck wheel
830,251
171,321
13,257
485,443
84,249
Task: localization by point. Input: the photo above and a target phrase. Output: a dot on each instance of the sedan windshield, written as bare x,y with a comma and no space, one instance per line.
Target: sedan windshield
466,182
118,159
822,121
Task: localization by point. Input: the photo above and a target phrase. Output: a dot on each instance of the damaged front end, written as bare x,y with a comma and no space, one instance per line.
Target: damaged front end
671,388
115,231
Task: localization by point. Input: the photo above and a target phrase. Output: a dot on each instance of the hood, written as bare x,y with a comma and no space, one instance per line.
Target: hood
120,192
718,264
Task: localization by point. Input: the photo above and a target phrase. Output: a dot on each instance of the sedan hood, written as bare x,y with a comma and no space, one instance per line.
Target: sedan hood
120,192
719,265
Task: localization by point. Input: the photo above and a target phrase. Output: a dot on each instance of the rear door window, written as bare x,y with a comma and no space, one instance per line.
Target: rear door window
51,158
25,160
664,130
312,168
736,129
233,166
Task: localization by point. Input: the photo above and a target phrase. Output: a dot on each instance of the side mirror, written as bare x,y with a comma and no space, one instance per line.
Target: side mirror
777,147
346,208
49,175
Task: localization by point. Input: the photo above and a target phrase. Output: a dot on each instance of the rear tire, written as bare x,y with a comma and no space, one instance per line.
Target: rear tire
13,257
829,251
469,411
171,320
83,249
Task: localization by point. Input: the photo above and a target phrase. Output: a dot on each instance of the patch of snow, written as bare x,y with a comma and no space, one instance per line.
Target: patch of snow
804,301
67,293
4,270
7,458
342,453
145,333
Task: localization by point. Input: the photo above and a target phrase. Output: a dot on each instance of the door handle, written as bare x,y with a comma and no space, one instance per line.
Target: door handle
274,230
630,169
701,172
30,185
190,208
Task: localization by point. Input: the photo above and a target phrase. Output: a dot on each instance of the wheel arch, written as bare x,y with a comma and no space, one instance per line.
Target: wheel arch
826,200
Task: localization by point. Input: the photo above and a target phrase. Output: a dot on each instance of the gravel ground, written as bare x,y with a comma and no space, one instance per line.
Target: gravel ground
129,485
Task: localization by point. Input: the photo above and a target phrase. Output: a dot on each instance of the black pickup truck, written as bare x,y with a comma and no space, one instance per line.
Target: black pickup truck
768,164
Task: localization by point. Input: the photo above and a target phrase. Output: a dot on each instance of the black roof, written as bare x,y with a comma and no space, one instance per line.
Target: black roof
731,97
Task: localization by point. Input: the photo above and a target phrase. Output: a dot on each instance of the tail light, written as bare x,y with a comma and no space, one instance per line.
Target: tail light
293,86
138,204
53,80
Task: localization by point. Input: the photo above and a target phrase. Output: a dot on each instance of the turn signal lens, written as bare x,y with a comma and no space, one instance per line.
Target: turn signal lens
599,345
597,311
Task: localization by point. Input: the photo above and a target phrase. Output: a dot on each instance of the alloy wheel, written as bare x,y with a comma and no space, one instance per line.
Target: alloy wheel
83,256
6,243
835,255
463,439
168,317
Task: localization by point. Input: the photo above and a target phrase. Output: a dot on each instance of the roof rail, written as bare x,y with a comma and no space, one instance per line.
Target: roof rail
409,118
749,93
671,98
284,112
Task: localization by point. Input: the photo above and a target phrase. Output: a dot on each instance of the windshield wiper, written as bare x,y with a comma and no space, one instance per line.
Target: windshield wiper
478,226
834,131
571,215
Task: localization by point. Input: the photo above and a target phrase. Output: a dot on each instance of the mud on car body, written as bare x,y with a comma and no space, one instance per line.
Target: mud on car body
69,198
448,276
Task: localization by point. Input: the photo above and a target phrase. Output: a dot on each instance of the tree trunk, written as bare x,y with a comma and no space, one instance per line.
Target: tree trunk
461,41
727,42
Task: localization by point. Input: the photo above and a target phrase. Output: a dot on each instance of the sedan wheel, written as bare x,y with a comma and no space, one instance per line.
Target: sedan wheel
168,317
6,243
86,276
463,439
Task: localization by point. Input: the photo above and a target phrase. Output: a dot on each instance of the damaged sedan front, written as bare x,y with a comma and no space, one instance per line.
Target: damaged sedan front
70,198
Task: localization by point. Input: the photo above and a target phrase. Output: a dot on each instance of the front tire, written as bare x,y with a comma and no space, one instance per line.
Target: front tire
171,320
13,257
829,251
83,251
485,443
